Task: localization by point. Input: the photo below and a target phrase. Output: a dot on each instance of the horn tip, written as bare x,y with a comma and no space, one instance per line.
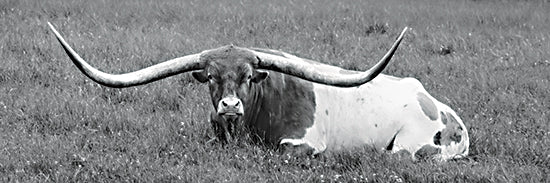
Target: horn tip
400,37
50,24
52,27
404,31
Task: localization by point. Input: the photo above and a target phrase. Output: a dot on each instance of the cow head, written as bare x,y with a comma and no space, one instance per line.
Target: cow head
230,72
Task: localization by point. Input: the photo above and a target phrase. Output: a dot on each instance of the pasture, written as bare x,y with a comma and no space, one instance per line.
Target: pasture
488,60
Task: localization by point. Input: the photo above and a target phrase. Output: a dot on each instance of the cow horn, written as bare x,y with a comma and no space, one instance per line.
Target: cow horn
143,76
323,73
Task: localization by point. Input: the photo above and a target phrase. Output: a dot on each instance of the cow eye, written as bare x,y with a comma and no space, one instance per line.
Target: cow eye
209,76
249,76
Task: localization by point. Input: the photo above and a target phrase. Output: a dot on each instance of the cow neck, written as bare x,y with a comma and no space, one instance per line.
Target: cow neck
280,107
252,105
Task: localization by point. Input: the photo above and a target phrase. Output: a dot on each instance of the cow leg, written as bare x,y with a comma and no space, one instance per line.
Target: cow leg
296,150
417,146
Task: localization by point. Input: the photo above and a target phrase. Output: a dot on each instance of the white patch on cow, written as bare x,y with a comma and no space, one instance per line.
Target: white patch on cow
372,114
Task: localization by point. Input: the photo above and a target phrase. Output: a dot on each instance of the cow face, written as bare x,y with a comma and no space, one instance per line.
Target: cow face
230,74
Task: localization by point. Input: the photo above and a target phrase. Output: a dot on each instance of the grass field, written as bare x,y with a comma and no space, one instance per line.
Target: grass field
489,60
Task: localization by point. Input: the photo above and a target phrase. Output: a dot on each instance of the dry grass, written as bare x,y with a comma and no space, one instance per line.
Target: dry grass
489,60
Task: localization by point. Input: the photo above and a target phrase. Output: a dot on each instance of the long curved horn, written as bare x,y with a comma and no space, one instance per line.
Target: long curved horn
139,77
323,73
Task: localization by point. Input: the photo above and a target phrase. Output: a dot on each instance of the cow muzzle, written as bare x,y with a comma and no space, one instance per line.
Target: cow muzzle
230,108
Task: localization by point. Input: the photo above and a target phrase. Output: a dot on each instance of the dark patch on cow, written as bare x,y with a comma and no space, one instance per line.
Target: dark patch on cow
443,118
437,138
427,152
280,107
405,105
389,147
326,112
452,131
427,106
375,125
450,135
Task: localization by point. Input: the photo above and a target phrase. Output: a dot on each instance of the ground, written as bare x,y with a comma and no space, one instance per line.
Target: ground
488,60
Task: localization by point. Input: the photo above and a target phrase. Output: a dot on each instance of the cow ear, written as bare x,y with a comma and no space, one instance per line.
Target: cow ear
200,76
259,76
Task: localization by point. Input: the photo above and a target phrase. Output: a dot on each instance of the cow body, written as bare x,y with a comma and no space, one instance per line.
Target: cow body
388,113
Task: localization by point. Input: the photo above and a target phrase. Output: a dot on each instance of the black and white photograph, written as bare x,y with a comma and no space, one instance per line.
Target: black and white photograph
275,91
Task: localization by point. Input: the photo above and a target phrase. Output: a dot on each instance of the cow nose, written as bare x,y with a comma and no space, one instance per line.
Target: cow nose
225,104
230,106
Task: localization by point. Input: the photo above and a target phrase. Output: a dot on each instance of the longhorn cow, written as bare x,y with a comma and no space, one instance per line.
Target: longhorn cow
303,104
